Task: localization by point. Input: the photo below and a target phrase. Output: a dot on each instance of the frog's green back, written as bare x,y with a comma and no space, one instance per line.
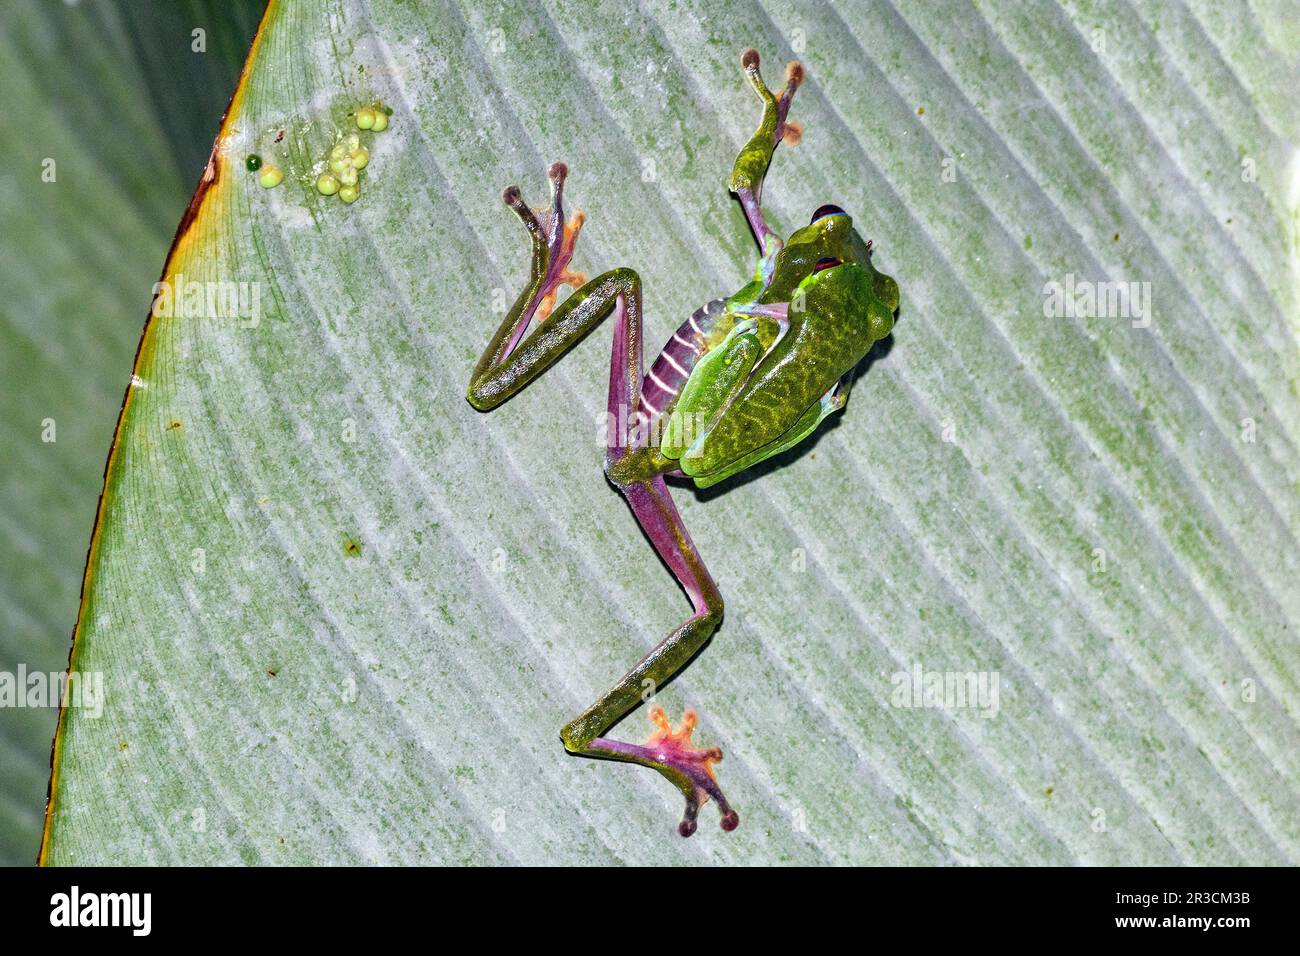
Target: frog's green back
840,318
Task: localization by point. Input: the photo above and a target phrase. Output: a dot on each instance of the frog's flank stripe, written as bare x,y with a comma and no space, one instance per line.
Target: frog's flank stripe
672,367
666,355
663,386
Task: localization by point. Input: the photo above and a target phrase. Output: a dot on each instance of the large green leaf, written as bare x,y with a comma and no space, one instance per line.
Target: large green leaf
342,616
117,96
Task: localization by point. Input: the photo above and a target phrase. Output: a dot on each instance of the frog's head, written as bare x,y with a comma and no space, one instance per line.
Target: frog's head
816,253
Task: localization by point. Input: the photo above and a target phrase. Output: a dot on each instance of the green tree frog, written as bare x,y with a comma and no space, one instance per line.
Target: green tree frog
744,378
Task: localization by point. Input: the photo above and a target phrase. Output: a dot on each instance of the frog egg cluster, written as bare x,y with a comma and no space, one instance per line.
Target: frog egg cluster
343,178
348,157
344,161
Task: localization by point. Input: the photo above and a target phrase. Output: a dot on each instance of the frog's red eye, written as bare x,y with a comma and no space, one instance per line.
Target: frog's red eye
828,263
824,211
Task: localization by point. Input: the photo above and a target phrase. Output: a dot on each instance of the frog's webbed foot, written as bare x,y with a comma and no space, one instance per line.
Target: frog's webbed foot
674,754
559,236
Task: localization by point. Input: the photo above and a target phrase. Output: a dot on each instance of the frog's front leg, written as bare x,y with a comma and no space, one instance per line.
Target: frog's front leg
754,158
509,362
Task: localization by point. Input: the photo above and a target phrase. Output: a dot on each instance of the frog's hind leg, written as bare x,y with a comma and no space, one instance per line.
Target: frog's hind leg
671,753
638,474
510,361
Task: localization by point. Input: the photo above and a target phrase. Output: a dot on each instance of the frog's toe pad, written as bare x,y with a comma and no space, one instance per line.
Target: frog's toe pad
675,750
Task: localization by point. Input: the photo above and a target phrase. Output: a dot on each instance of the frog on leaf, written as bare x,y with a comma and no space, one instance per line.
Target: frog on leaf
744,378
